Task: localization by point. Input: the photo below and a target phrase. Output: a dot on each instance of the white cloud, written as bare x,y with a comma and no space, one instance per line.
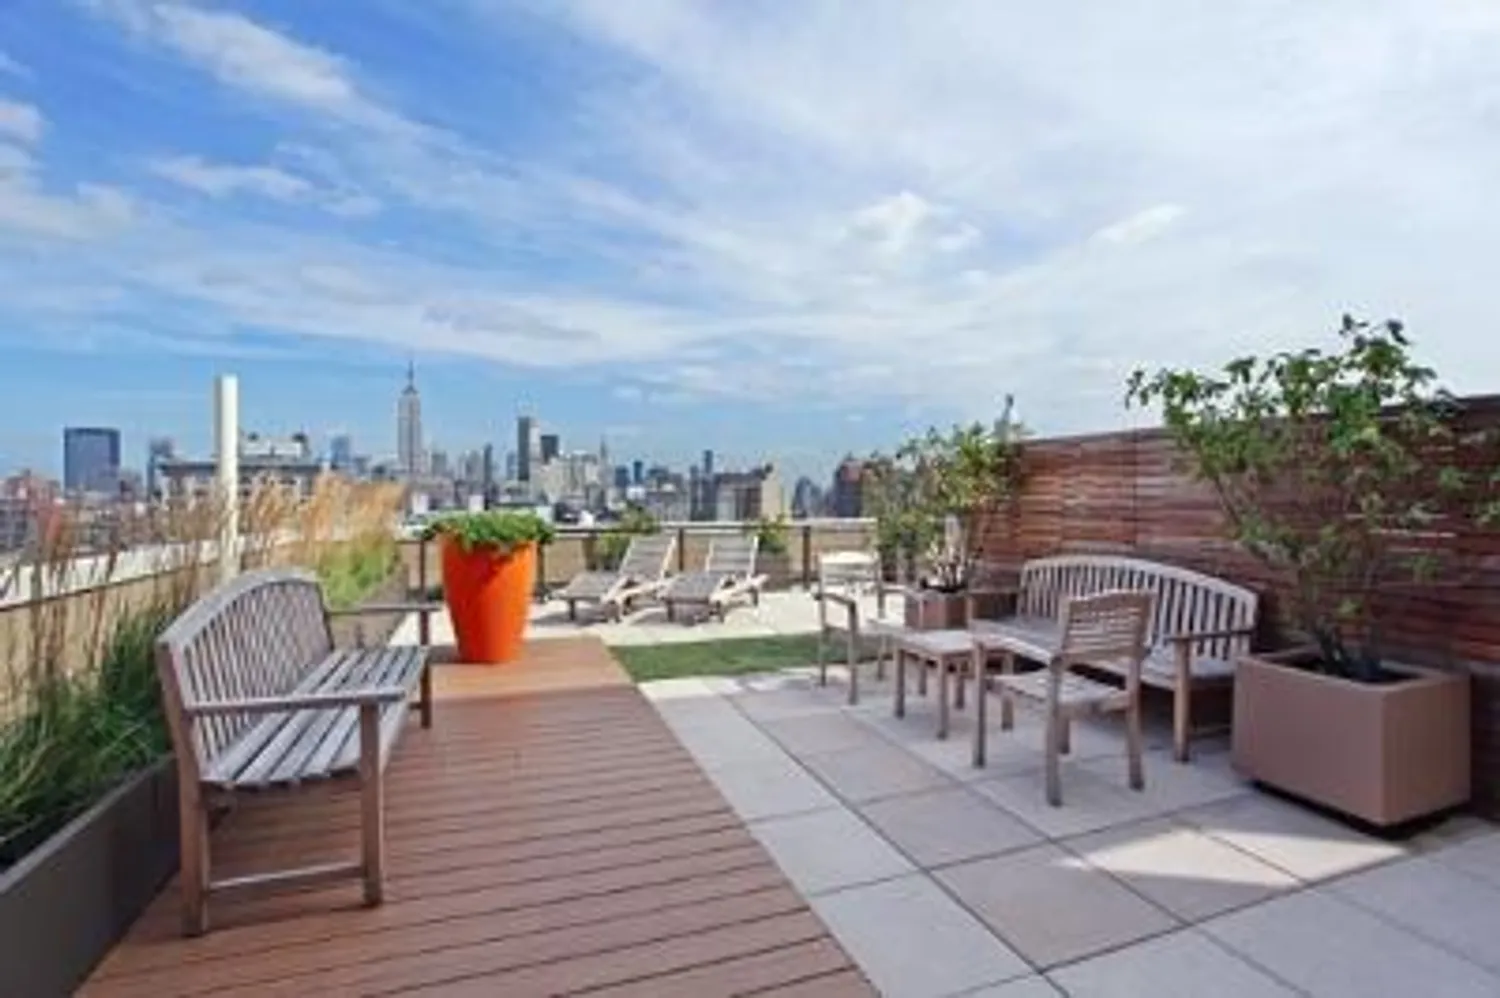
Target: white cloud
222,179
940,203
10,66
20,121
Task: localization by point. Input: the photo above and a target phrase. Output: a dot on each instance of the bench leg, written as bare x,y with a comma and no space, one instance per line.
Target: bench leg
942,731
572,609
1065,737
1055,724
427,695
823,657
1007,711
853,656
900,655
192,824
1133,743
372,803
1182,722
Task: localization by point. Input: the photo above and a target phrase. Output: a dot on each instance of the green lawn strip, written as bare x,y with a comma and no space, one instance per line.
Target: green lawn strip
725,657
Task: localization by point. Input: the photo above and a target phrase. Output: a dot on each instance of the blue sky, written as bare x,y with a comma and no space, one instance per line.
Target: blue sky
779,230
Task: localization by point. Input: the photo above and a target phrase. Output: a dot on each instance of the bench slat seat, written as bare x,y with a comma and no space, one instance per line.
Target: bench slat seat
295,746
257,698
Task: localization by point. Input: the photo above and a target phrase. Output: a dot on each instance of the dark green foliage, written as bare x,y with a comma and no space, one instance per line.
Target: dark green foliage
1334,468
81,735
351,572
773,533
498,530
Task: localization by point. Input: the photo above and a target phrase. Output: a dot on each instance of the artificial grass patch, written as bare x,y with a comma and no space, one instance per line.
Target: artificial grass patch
725,657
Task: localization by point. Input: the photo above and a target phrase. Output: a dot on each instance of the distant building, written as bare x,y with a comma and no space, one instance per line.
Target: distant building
282,461
807,499
437,463
848,490
525,437
749,495
708,464
91,459
409,427
341,452
550,442
637,472
622,477
158,450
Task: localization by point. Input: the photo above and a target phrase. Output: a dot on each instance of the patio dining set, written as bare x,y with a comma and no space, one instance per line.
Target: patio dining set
1084,634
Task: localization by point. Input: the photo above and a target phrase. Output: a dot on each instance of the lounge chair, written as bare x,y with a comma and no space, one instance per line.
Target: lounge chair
642,572
728,574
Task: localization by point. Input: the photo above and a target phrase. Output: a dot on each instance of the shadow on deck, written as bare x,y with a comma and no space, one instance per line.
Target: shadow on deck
548,836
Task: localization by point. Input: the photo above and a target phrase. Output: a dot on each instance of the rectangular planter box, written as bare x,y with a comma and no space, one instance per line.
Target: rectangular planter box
72,898
1384,754
935,611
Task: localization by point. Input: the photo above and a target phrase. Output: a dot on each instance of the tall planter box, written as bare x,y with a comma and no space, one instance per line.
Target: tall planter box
776,567
1384,754
66,903
930,610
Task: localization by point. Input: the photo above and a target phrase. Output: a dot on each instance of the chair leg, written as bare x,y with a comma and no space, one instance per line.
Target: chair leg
192,823
922,677
671,610
961,674
853,656
1007,711
1182,722
572,609
1133,744
900,682
1065,736
942,667
981,696
1054,745
372,803
427,695
823,657
881,651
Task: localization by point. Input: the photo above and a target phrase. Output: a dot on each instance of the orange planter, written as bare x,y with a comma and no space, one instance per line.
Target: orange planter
489,598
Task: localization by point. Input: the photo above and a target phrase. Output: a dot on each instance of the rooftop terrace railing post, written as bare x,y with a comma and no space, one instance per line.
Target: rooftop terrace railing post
682,549
422,589
807,556
539,587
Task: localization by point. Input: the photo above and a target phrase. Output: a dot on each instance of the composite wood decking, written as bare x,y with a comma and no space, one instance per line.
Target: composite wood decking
545,837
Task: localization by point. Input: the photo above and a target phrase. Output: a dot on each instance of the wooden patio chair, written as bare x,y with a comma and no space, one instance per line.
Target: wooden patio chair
1106,630
642,572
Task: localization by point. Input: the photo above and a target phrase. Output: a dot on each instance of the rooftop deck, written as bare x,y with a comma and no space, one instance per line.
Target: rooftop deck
549,835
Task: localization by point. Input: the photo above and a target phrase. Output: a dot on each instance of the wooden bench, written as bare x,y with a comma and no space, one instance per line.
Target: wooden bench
257,698
1199,624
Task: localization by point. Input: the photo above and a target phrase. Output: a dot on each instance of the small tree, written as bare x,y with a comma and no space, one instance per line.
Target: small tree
1331,467
938,491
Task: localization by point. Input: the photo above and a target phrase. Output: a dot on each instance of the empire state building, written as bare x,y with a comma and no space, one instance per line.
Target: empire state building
409,427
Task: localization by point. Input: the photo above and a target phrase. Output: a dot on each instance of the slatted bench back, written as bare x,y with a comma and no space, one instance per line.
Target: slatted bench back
1185,601
258,635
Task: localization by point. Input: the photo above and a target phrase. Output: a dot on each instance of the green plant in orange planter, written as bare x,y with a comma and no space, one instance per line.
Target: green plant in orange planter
489,572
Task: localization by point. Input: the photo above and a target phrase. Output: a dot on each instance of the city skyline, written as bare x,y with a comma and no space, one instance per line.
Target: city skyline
710,222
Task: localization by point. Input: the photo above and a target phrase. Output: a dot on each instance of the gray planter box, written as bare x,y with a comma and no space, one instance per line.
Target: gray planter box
73,897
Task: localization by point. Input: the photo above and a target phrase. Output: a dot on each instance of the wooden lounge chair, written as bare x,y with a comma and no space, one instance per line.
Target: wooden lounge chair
642,572
728,574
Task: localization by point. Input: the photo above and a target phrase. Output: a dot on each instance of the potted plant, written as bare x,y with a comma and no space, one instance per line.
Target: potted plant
773,559
1336,470
932,501
489,572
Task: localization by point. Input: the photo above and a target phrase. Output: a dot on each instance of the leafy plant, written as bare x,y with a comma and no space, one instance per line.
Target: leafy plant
933,498
497,530
609,549
1335,468
774,533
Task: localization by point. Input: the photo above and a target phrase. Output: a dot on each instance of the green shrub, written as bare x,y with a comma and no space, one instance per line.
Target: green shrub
774,533
609,549
351,573
499,530
80,735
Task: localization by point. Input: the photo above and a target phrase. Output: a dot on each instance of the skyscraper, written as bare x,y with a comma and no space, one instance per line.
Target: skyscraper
158,450
91,459
637,472
341,452
525,430
708,464
409,426
551,443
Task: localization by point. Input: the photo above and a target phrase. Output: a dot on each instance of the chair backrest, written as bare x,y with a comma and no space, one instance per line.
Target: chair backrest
1186,602
257,635
647,555
848,570
1107,628
733,555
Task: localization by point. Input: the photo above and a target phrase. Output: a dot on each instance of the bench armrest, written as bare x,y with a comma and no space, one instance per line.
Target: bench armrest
413,606
298,701
1193,636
